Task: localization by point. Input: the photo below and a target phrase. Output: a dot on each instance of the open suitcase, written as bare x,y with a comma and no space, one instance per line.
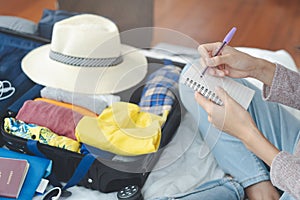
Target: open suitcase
74,168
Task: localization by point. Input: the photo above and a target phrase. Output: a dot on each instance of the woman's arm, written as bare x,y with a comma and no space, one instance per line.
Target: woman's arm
236,121
280,85
285,87
285,173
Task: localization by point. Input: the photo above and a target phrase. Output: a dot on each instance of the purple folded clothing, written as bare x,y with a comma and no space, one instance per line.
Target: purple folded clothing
58,119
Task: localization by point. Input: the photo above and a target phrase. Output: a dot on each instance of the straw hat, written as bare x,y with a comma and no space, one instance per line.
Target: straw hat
86,56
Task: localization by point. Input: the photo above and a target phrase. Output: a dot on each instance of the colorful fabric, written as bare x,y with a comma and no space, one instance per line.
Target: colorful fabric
39,133
160,90
122,129
58,119
78,109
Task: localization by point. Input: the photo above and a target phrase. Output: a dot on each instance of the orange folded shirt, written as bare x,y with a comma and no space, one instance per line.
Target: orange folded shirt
76,108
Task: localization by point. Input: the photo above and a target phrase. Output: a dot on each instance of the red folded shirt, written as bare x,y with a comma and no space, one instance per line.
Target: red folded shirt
60,120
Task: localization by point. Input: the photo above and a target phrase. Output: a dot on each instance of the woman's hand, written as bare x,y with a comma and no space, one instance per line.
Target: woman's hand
231,117
235,64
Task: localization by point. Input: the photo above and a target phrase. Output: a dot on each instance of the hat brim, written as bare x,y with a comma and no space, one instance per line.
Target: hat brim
40,68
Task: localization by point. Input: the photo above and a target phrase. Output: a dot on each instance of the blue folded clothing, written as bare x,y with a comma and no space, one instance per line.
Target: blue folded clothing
12,50
160,90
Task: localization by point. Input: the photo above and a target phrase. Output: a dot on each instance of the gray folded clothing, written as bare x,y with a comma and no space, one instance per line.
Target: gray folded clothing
95,103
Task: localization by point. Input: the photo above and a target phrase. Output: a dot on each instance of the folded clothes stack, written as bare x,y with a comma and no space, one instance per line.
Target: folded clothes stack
67,119
53,122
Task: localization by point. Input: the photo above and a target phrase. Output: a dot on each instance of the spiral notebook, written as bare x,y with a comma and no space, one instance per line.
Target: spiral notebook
206,84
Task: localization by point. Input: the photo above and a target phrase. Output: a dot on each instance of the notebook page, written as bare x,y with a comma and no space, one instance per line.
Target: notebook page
207,84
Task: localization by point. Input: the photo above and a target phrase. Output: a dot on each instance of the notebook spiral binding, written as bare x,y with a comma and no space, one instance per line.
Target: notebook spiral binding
203,91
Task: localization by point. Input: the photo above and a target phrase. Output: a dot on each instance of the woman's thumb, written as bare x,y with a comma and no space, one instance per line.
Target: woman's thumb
221,93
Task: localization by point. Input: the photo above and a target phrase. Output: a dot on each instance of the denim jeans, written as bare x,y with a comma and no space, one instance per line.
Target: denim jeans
225,189
273,120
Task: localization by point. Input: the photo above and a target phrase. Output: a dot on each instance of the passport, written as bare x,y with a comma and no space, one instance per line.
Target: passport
12,175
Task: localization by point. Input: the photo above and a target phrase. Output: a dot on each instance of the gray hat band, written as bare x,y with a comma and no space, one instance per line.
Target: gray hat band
85,62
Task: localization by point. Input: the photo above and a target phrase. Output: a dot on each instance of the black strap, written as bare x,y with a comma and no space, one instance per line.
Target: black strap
82,168
32,147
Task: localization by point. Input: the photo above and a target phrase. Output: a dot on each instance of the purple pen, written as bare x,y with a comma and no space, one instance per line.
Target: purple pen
226,40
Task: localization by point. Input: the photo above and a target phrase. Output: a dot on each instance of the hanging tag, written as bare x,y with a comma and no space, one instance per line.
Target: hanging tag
42,186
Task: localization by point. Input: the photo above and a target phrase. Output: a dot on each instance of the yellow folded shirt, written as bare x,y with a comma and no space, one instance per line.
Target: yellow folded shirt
76,108
122,129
